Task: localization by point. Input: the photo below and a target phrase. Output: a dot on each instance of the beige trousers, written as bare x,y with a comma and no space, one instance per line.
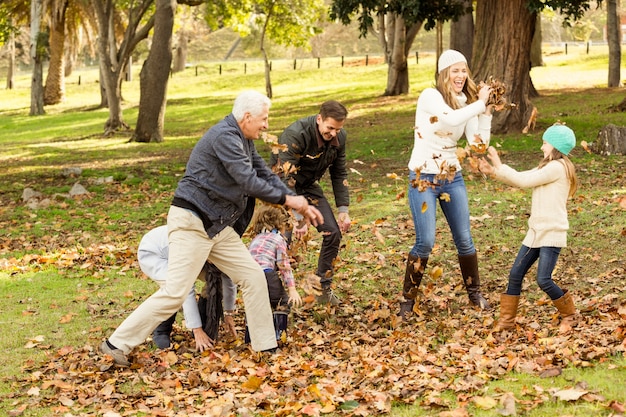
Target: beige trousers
189,248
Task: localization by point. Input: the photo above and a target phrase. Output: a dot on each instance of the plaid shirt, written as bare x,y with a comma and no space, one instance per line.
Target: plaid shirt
269,250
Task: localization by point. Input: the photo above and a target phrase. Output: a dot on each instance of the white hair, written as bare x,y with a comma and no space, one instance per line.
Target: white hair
252,102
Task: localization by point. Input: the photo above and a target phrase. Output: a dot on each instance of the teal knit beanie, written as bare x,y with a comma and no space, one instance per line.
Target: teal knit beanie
561,137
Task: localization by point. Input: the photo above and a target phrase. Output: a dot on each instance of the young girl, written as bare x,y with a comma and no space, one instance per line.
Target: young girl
269,249
553,182
456,107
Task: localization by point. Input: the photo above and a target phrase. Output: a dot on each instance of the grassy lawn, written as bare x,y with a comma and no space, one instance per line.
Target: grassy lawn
69,276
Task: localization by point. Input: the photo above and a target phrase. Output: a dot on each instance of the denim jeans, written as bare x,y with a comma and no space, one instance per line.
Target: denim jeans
456,210
547,255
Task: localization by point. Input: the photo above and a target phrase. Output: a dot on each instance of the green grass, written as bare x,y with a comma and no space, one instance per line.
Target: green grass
68,273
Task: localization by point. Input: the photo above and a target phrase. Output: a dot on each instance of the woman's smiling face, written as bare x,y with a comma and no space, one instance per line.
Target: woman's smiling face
458,76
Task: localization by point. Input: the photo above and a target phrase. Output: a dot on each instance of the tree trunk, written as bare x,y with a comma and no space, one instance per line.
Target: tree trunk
399,40
36,55
462,33
110,66
113,61
180,59
611,141
536,57
11,59
502,51
54,92
154,76
613,38
268,81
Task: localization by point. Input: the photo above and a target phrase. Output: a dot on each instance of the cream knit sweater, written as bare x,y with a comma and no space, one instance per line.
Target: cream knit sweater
548,224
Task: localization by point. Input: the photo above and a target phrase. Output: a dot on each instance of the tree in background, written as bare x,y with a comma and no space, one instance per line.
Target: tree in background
614,41
462,32
285,22
54,90
8,29
397,25
114,59
154,76
502,49
38,49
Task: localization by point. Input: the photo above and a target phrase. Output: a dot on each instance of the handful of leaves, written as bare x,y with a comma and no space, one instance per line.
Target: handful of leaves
496,97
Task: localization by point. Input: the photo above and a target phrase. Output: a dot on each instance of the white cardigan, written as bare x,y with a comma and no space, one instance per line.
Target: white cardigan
548,224
438,128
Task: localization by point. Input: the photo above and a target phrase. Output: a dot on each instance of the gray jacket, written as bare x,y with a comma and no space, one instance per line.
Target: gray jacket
223,170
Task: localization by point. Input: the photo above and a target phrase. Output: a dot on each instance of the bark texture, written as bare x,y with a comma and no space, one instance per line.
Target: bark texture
154,76
611,140
502,50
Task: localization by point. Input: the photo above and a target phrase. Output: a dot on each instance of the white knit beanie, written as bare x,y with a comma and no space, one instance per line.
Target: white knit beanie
449,57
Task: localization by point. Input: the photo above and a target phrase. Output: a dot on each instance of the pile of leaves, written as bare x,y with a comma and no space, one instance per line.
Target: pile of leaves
358,359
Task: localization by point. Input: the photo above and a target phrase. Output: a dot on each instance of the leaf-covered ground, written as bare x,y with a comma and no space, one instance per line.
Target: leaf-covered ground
357,359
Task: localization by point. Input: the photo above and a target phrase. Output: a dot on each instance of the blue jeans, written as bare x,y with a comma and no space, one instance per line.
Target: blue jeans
547,255
456,210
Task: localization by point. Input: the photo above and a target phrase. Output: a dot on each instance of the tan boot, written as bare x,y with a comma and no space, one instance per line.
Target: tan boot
508,311
565,305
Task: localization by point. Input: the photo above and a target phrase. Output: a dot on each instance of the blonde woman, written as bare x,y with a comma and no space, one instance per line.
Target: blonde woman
453,109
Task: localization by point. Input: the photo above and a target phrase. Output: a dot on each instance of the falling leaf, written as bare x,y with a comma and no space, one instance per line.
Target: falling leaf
433,119
445,197
436,272
443,133
355,171
585,146
378,235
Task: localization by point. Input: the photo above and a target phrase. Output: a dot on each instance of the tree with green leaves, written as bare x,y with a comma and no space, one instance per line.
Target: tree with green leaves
397,25
285,22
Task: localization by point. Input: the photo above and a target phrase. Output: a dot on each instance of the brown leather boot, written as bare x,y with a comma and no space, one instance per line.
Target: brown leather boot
415,267
471,279
565,305
508,311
